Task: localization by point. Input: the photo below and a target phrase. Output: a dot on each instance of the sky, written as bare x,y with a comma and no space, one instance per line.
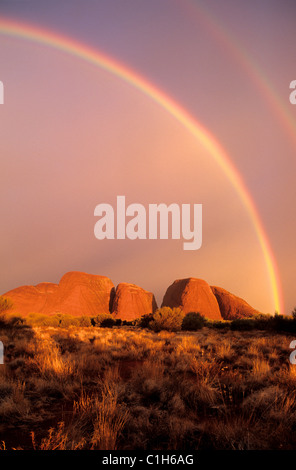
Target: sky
73,135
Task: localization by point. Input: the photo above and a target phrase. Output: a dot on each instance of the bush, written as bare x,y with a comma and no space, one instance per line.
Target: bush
243,324
108,323
167,318
57,320
67,320
144,320
282,323
84,321
219,324
129,323
104,320
38,319
5,303
11,321
278,323
193,321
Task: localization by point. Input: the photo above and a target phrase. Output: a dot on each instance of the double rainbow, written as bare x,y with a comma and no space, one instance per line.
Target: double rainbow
48,38
230,44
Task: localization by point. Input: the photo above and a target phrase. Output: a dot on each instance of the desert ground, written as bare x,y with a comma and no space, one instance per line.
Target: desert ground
131,388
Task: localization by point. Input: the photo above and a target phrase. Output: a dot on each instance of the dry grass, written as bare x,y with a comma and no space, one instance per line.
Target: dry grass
128,388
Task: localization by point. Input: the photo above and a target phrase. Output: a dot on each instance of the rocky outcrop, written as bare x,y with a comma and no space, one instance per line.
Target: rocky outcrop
231,306
77,294
192,295
131,302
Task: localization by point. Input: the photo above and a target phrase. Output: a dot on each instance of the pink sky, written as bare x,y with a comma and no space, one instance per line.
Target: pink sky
74,136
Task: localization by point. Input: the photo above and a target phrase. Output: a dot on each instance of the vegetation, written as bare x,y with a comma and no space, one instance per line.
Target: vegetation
5,303
275,323
193,321
104,320
144,320
132,388
57,320
167,318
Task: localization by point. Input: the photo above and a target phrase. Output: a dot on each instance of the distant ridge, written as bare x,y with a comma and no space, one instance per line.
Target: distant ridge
76,294
80,294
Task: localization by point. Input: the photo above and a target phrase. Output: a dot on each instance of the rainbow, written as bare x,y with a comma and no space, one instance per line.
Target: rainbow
229,43
49,38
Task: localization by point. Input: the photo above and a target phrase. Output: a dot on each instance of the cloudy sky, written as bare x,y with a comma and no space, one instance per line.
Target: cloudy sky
73,135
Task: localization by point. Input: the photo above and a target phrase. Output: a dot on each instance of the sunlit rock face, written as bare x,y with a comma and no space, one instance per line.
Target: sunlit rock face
77,294
131,302
231,306
192,295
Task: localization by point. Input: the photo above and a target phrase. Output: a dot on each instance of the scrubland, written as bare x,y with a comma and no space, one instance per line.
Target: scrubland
130,388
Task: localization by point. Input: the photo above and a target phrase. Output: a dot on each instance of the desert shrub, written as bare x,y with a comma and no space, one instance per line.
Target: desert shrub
262,322
129,322
10,321
67,320
242,324
39,319
84,321
108,323
144,320
219,324
167,318
275,323
282,323
193,321
104,320
57,320
5,303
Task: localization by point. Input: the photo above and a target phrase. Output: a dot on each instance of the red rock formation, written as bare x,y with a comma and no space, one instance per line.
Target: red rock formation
80,294
231,306
131,302
192,295
77,294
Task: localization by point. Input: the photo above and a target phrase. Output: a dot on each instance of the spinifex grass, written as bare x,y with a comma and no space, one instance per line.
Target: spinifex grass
129,388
